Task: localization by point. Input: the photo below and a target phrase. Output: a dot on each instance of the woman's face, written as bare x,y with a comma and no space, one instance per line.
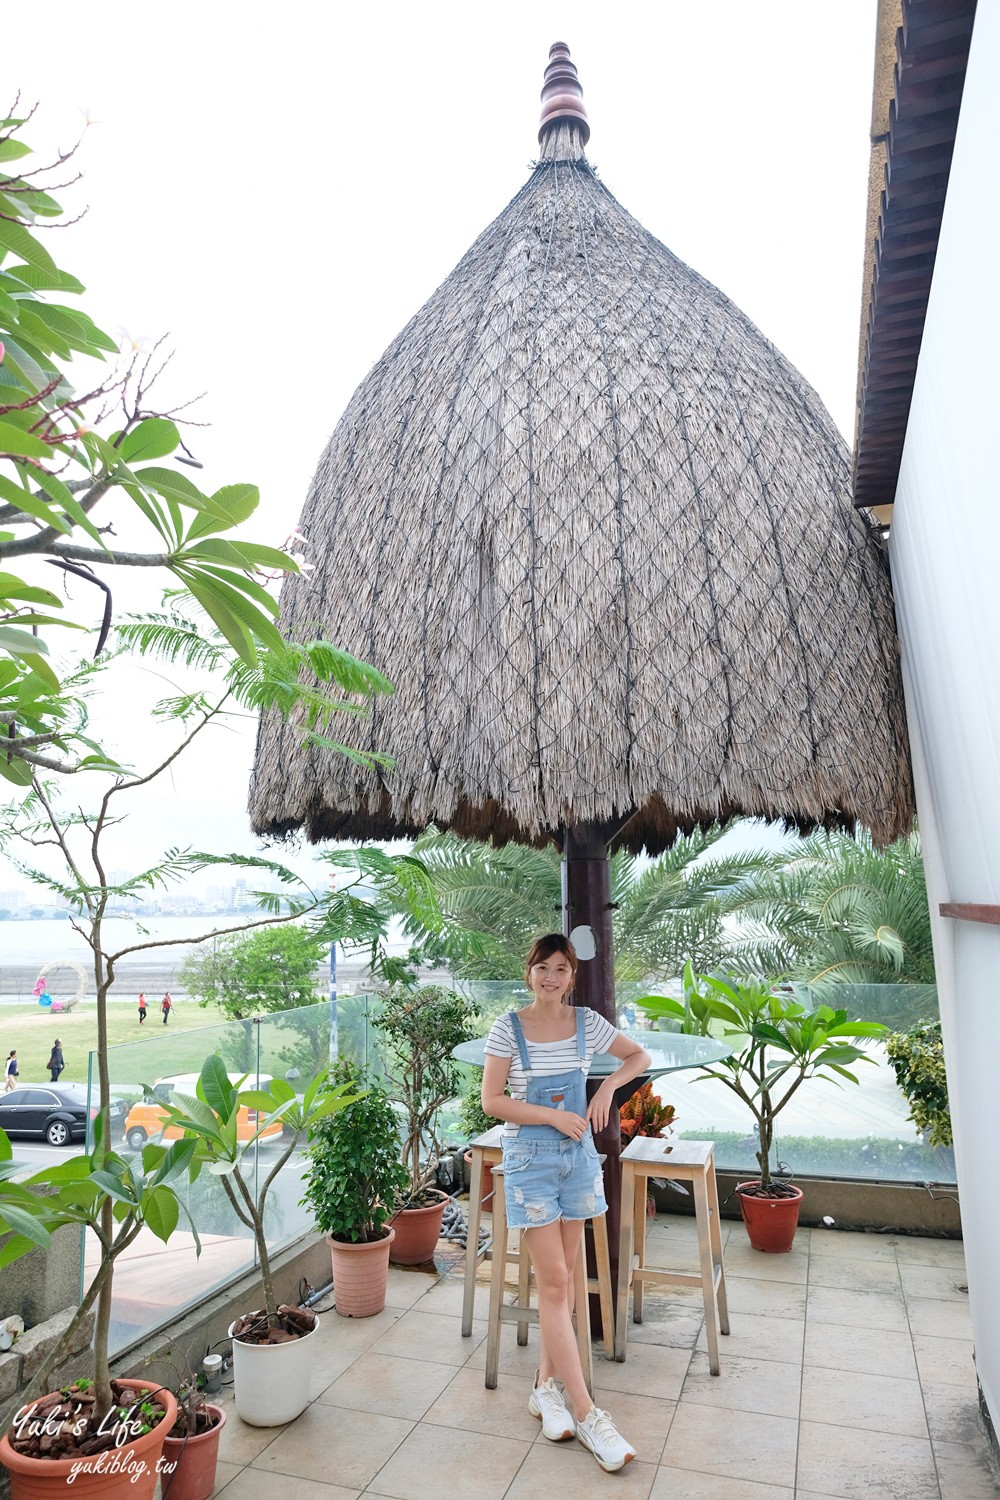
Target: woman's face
552,978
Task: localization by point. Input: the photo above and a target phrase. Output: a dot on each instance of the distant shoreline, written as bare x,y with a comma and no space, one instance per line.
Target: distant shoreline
151,976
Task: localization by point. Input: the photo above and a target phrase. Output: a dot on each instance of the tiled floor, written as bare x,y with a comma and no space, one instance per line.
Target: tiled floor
848,1373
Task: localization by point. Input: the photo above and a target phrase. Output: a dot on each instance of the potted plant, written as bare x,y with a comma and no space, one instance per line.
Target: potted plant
70,1436
352,1178
646,1114
421,1027
191,1448
777,1044
272,1349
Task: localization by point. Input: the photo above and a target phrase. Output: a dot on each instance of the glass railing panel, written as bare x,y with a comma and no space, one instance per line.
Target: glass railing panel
154,1281
828,1129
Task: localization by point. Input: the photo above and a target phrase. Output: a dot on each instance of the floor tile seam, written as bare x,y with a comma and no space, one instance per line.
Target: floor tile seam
365,1488
524,1460
830,1421
962,1300
417,1359
865,1431
923,1394
875,1374
715,1410
802,1366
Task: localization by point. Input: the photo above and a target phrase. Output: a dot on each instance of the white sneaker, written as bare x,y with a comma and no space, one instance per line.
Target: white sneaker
598,1433
547,1404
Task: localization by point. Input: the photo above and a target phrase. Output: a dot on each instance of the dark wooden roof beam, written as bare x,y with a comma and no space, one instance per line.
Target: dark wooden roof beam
917,166
887,367
884,441
936,130
924,29
913,189
902,246
924,69
890,384
890,397
892,267
892,291
907,218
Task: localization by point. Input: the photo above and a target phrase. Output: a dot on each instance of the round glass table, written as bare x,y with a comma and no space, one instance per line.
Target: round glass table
669,1051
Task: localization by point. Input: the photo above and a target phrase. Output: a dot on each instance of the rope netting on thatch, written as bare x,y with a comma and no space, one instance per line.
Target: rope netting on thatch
598,532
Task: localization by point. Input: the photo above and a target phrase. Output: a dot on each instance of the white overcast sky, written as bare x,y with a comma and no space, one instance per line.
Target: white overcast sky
280,188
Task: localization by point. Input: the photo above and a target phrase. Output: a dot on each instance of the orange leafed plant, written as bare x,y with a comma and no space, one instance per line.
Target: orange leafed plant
646,1114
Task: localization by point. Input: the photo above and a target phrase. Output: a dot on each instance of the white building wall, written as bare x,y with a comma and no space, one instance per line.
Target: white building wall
945,556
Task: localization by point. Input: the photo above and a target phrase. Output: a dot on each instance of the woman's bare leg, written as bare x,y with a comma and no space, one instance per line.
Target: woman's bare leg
554,1249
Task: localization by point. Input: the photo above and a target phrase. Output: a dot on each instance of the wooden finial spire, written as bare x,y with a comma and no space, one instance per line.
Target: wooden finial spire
562,96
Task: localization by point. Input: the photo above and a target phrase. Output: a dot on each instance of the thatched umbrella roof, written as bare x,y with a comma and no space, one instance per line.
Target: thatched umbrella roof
598,532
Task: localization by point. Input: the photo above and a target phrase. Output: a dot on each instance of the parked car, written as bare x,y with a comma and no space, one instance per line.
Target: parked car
58,1113
146,1118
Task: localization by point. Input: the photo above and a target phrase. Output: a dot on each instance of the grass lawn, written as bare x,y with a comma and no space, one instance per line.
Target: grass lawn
158,1050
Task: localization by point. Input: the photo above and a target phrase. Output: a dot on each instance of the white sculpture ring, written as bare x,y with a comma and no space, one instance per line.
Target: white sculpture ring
63,1002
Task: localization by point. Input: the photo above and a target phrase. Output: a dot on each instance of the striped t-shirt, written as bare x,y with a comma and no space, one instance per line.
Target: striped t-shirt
545,1057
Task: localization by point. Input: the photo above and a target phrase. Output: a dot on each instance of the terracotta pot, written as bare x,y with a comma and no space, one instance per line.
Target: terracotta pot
359,1275
486,1186
194,1460
770,1222
417,1233
49,1478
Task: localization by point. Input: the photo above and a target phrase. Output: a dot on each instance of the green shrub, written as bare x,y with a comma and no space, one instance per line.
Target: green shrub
421,1027
353,1172
472,1118
917,1057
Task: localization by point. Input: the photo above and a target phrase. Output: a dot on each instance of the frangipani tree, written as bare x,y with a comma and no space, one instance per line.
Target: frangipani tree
779,1040
77,463
315,684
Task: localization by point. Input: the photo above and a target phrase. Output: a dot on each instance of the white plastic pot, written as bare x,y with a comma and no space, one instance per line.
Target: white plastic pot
271,1382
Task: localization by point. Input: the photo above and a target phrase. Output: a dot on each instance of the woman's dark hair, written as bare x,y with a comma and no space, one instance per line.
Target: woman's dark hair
544,947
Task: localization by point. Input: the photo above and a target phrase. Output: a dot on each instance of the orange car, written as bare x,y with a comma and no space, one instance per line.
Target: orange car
145,1120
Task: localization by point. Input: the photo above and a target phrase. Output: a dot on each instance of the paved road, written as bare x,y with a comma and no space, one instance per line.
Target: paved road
36,1154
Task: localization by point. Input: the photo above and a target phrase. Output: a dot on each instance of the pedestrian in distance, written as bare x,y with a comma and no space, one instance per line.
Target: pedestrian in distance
552,1171
142,1008
55,1063
166,1005
10,1071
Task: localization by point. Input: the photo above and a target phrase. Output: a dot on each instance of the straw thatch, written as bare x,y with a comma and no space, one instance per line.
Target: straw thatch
598,532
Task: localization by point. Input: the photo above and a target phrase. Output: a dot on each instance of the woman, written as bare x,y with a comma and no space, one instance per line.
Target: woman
552,1174
10,1071
165,1005
142,1008
55,1063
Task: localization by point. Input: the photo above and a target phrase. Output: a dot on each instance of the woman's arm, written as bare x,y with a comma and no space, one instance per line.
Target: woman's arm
519,1111
634,1061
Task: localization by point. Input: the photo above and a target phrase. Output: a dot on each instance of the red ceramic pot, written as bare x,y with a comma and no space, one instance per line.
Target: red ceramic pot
194,1460
770,1222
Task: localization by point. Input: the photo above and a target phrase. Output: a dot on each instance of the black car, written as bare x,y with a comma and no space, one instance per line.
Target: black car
57,1114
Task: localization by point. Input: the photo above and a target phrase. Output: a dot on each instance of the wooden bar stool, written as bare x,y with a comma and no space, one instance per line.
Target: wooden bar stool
486,1152
682,1161
522,1313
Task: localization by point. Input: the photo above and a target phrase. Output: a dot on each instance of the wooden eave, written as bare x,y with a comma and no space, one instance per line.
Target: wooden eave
916,142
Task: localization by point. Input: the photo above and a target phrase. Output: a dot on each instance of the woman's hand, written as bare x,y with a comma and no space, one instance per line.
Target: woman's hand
571,1125
599,1108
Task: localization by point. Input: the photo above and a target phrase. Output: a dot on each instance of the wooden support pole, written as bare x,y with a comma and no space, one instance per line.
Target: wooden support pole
586,885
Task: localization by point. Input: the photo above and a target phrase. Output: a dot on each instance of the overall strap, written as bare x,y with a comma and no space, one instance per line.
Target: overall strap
581,1033
521,1046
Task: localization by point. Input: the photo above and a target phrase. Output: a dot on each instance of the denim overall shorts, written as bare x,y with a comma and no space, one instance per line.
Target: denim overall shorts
546,1175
